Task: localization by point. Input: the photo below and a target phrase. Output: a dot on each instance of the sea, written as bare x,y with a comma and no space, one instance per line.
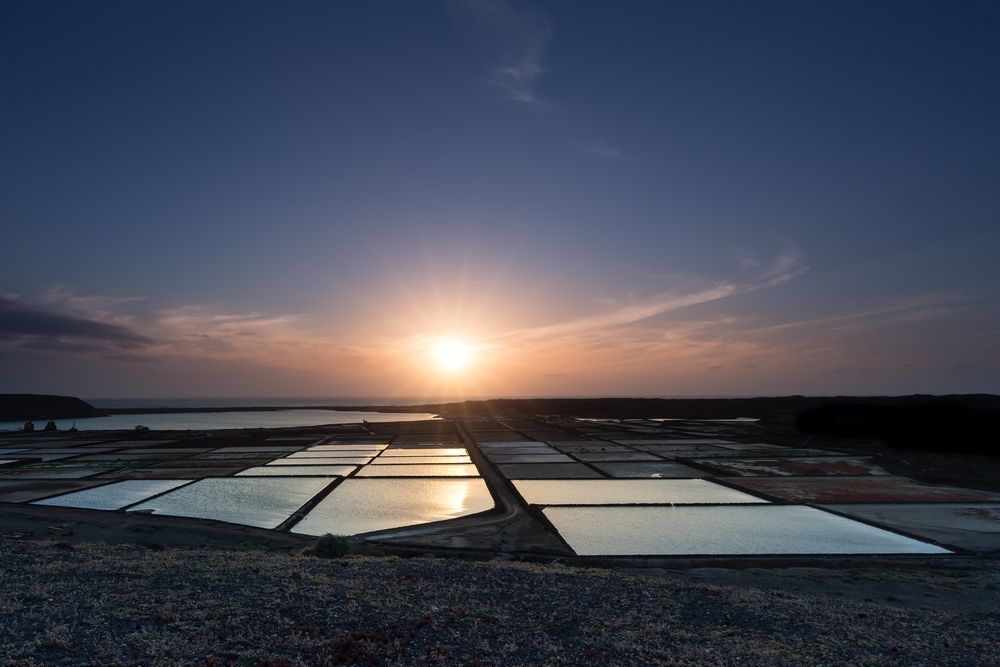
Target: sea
300,415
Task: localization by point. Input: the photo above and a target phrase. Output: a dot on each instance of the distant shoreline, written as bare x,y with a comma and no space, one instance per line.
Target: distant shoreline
779,408
256,408
774,409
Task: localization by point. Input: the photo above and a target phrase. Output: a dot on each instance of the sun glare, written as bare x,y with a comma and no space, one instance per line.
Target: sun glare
451,354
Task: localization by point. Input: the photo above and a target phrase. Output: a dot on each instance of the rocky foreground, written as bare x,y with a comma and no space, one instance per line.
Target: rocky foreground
89,604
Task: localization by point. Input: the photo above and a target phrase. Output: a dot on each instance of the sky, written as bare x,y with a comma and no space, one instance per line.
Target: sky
701,198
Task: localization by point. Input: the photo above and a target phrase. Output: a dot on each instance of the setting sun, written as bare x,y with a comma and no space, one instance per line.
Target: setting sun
451,354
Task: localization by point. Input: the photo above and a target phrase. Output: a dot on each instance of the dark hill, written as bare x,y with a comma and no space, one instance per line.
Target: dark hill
780,409
39,407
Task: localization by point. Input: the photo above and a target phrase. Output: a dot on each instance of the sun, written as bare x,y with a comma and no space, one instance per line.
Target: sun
451,354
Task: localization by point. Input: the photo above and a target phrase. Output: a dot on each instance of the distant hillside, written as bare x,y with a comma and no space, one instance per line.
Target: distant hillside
39,407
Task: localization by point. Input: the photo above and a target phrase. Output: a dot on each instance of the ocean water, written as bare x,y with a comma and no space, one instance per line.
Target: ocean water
263,401
204,421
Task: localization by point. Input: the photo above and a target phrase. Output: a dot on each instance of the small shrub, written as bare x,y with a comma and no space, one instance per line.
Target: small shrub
56,637
330,546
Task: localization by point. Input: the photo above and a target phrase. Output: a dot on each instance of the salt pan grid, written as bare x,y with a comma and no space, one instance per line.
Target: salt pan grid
420,470
531,458
754,447
49,473
509,451
723,530
797,452
260,502
320,455
361,506
38,456
24,490
673,441
974,527
338,460
128,457
74,450
384,460
649,470
116,495
349,447
616,456
428,451
298,471
254,450
170,473
825,466
592,448
628,492
547,471
699,453
872,489
236,456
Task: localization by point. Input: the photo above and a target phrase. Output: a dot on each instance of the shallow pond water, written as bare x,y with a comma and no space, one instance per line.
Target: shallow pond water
389,460
259,501
114,496
425,451
364,505
719,530
420,470
298,471
629,491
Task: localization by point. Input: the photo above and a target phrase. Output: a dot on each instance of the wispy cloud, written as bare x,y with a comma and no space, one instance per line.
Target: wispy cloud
54,342
606,151
921,308
785,268
68,323
522,38
92,304
21,319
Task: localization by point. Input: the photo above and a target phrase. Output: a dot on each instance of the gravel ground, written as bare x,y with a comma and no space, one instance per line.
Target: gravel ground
97,604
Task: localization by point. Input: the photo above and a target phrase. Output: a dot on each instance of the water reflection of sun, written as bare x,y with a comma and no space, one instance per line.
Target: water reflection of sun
453,501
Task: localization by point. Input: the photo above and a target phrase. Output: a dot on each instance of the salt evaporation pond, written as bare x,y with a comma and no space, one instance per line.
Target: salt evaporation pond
425,451
365,505
723,530
264,502
388,460
114,496
628,492
298,471
420,470
321,460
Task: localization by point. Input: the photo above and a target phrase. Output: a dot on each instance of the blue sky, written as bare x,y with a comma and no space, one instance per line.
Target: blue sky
263,198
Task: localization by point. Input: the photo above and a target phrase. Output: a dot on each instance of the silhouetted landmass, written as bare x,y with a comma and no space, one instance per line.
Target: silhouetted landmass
769,409
948,423
939,425
958,423
18,407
